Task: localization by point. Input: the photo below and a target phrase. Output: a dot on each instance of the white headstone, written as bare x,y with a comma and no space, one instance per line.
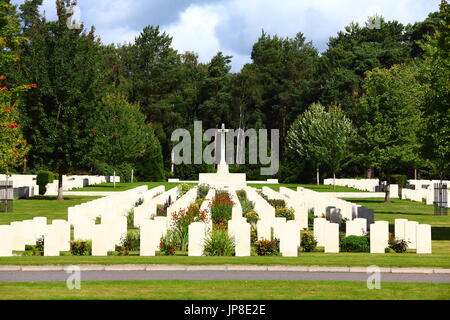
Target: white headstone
424,242
150,238
40,224
18,238
264,229
278,226
290,239
52,241
331,239
197,232
240,231
6,241
411,234
357,227
378,236
64,229
319,231
385,226
400,227
100,241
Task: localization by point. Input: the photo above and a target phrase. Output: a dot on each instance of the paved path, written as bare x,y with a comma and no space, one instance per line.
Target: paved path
59,276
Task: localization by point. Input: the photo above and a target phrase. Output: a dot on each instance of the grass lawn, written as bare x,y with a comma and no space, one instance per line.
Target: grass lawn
42,207
439,259
405,209
108,187
224,290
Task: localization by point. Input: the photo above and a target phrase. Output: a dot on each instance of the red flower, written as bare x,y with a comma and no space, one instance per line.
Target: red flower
161,244
13,125
33,85
9,109
2,77
17,59
4,89
171,251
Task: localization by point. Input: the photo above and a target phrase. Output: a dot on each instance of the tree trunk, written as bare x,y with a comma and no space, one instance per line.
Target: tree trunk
318,176
60,187
388,192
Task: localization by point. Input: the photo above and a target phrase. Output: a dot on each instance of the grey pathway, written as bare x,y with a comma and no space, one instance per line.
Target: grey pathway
58,276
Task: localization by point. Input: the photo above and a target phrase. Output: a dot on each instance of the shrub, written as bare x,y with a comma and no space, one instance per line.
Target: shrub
222,208
242,195
247,206
183,189
202,191
182,221
130,219
219,244
35,251
268,248
277,203
399,246
132,242
81,248
252,217
168,244
355,244
44,178
309,242
287,213
311,218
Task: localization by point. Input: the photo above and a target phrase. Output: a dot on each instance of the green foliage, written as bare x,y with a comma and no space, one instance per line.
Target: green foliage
219,244
308,242
43,178
222,208
283,212
311,217
277,203
36,250
183,189
399,246
322,136
355,244
131,242
81,248
169,244
130,219
182,221
203,191
252,217
268,248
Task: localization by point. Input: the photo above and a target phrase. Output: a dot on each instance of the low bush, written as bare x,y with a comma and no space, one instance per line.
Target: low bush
132,242
36,250
277,203
267,248
247,206
168,244
183,189
252,217
308,243
219,244
355,244
242,195
222,208
182,221
43,178
287,213
399,246
311,218
202,191
130,219
81,248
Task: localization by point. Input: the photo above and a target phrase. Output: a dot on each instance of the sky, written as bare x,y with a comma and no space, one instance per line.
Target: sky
233,26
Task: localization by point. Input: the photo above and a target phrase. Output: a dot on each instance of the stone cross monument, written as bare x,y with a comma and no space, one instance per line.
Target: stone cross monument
223,166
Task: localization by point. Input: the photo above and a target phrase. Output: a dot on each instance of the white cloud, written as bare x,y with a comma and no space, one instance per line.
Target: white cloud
233,26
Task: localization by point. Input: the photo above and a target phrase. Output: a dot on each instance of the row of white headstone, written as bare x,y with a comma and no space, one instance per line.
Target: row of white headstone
418,236
74,182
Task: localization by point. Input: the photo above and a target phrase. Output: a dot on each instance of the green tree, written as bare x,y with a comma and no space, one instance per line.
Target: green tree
67,66
391,117
322,136
121,136
13,146
436,136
